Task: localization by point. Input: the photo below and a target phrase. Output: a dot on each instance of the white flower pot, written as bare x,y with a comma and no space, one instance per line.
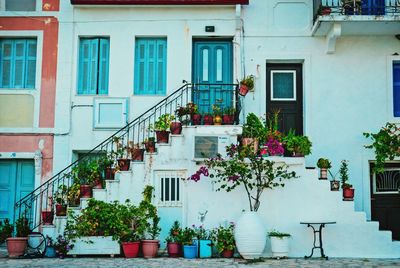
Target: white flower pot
279,246
250,235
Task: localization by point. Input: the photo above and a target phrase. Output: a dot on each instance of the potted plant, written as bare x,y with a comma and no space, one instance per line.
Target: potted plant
253,131
225,240
298,146
335,184
324,10
228,117
17,245
183,113
95,174
351,7
204,243
348,191
150,144
246,84
48,213
73,195
50,251
189,248
217,115
208,119
161,127
279,244
243,167
6,230
82,173
136,151
121,154
175,127
195,117
106,166
324,165
62,245
61,198
174,246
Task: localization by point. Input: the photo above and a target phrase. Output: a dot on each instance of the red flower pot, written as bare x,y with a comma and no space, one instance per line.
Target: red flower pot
16,246
174,249
196,119
150,248
47,217
162,136
86,191
124,164
109,173
348,194
137,155
61,210
208,120
131,249
228,119
150,146
98,184
243,90
227,253
176,128
326,11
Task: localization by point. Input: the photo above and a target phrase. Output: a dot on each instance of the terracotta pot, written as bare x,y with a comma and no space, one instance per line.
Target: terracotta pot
162,136
228,119
61,210
335,185
109,173
131,249
137,155
196,119
150,146
176,128
323,173
124,164
243,90
98,184
348,194
86,191
326,11
208,120
150,248
174,249
250,142
47,217
16,246
227,253
217,120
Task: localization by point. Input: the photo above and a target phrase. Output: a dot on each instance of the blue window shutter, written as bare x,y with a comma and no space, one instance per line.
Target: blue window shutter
19,63
6,63
84,66
30,77
140,66
151,67
94,64
396,89
161,70
103,65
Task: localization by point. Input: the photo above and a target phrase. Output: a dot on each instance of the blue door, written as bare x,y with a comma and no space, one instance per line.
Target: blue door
17,179
212,71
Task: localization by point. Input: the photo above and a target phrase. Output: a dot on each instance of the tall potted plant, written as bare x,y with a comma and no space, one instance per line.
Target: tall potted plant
324,165
61,199
82,174
17,245
298,146
121,153
243,167
150,144
348,191
253,131
228,117
174,239
136,151
162,127
225,240
246,84
204,242
6,230
189,248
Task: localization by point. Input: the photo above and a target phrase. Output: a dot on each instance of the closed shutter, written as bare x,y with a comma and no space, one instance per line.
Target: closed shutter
396,89
103,65
94,63
373,7
84,67
19,63
161,66
6,63
30,64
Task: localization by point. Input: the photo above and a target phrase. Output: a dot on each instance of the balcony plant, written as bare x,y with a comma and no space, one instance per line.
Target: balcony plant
189,248
228,117
61,198
183,114
208,119
298,146
279,244
386,144
242,167
253,131
136,152
174,240
17,245
324,165
62,245
217,113
348,191
225,240
6,230
246,84
162,127
150,144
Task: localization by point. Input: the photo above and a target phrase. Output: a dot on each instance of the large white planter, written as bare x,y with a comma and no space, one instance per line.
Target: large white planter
95,245
250,235
279,246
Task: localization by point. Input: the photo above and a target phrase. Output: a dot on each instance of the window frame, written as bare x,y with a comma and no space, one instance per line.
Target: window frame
393,89
38,7
180,175
390,60
272,85
124,114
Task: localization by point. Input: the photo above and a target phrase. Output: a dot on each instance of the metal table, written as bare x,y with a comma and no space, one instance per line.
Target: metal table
319,231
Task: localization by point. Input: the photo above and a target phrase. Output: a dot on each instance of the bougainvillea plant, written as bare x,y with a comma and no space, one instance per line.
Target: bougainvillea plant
274,147
243,167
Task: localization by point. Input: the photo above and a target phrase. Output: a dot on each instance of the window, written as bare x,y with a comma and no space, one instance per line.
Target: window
387,182
283,85
110,113
150,66
396,89
169,188
20,5
93,66
18,63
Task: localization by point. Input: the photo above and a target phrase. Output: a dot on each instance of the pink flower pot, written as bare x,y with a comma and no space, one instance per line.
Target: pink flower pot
150,248
174,249
16,246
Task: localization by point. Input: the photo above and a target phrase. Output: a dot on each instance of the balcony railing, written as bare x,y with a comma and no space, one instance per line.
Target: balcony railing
356,7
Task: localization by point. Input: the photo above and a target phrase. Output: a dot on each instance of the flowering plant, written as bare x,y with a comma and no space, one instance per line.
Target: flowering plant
201,233
62,245
274,147
187,236
242,166
175,233
224,237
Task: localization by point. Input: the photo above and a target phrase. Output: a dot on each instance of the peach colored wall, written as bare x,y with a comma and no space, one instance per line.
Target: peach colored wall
51,5
29,143
49,26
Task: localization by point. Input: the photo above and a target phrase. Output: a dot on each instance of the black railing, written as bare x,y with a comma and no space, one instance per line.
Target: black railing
38,204
356,7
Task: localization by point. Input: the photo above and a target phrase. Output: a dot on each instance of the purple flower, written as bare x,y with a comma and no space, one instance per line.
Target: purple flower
274,147
195,177
233,178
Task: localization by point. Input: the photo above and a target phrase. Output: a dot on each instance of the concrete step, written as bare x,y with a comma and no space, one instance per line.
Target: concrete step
100,194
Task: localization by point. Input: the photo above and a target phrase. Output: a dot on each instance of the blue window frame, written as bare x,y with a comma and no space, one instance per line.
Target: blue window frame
93,66
150,66
18,63
396,89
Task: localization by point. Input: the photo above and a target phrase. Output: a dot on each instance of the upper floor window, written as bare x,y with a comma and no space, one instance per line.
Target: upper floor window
396,89
18,63
20,5
150,66
93,65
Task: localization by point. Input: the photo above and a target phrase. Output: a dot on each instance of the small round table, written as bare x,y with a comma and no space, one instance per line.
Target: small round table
319,231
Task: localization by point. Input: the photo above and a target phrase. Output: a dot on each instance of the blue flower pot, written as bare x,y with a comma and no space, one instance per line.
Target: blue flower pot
205,249
50,252
189,252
